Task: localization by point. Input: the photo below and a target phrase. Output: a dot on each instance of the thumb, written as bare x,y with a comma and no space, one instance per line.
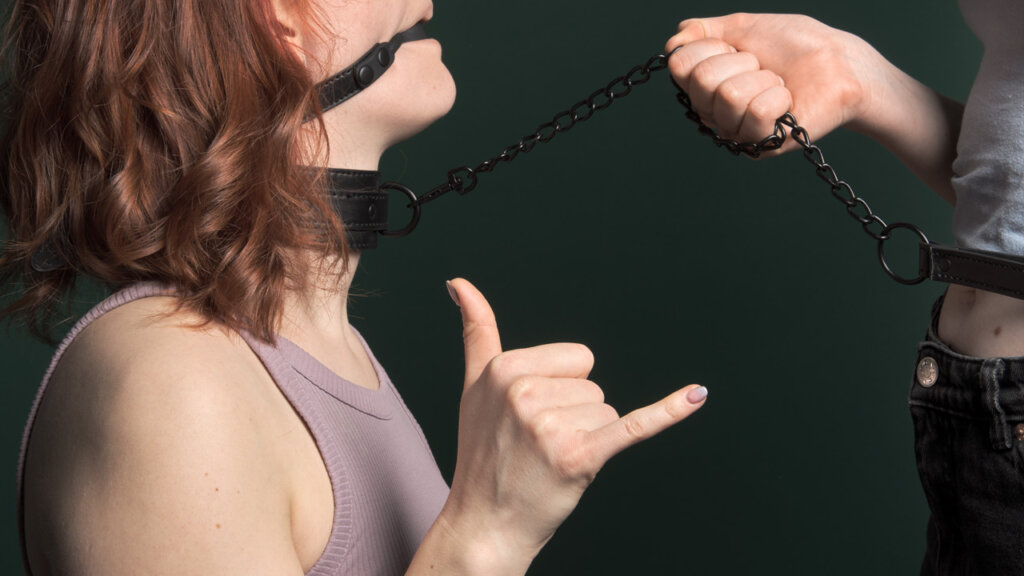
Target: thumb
479,328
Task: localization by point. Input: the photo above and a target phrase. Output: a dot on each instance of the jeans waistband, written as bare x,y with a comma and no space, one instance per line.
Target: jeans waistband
978,388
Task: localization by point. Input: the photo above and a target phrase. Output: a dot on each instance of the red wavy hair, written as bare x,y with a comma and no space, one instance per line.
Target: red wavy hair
161,141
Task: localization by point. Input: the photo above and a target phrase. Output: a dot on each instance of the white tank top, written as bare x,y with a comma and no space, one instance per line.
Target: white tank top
988,173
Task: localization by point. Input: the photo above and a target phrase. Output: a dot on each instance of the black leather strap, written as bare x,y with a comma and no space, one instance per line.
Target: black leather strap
366,70
989,271
357,198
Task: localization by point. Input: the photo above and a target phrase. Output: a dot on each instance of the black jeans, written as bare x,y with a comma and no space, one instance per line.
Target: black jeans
969,429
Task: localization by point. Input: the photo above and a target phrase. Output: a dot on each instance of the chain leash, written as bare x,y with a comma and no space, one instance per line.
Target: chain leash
464,179
872,224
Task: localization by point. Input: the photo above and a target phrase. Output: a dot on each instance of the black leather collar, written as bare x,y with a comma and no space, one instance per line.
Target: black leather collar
357,198
356,195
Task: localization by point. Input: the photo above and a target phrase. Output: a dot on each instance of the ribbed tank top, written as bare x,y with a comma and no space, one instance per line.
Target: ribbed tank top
387,487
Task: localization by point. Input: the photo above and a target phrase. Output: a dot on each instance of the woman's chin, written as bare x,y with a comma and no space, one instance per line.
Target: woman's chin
434,105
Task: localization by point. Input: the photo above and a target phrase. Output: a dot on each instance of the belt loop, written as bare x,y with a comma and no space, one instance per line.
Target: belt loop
992,370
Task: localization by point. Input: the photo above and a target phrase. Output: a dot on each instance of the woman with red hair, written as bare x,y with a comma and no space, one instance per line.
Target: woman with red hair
217,414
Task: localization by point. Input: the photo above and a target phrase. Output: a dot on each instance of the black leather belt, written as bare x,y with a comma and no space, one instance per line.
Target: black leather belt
989,271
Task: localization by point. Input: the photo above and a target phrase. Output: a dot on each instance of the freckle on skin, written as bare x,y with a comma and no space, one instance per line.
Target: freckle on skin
998,331
216,489
218,526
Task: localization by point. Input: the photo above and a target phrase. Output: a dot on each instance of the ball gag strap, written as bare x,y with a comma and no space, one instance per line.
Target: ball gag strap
357,77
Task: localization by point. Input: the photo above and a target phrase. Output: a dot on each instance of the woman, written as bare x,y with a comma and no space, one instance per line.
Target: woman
743,71
218,414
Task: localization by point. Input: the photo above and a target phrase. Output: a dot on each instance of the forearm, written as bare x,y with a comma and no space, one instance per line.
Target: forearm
917,124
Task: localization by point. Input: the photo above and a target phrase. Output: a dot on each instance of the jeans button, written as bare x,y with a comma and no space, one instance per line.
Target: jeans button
1018,432
927,372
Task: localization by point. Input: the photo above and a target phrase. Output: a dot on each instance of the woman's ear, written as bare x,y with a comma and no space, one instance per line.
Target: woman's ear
289,24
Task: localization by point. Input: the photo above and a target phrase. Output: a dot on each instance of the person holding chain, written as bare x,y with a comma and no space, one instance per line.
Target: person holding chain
218,414
743,71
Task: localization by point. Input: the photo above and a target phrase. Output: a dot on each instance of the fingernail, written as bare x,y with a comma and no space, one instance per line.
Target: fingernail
453,293
697,395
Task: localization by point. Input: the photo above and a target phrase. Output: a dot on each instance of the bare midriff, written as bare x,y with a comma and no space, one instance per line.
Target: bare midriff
982,324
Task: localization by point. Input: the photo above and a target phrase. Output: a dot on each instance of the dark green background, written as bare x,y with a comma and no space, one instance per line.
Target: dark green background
675,263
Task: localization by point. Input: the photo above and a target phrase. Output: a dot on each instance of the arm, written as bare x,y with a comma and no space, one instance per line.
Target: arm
745,70
141,462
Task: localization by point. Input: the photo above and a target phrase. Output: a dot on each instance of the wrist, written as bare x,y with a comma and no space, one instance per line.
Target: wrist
871,104
461,543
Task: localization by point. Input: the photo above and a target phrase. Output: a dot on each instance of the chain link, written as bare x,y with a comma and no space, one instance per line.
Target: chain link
464,179
858,208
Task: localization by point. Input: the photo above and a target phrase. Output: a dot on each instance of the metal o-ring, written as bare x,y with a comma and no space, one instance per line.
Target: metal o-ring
885,235
416,209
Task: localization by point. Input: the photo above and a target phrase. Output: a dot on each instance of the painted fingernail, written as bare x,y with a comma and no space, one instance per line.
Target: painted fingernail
697,395
453,293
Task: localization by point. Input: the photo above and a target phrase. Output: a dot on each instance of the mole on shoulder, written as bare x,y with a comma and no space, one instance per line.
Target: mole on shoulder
997,331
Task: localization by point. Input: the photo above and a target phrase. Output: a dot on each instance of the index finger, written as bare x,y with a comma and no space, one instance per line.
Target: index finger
643,423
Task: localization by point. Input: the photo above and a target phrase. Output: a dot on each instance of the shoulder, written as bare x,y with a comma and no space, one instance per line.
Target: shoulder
152,438
145,365
152,337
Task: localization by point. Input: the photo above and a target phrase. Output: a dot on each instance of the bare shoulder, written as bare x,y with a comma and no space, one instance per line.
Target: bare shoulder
152,441
152,335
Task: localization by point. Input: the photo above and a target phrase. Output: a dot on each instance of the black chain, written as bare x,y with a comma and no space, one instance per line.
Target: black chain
856,206
464,179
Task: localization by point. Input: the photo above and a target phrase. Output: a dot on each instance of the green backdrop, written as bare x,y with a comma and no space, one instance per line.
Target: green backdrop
676,263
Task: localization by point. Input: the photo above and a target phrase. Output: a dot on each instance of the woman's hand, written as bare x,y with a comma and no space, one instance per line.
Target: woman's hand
743,71
533,433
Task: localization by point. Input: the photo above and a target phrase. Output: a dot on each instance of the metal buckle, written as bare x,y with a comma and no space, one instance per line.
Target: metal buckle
416,210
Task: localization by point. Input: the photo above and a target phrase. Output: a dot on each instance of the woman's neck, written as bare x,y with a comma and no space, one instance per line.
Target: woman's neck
321,310
317,321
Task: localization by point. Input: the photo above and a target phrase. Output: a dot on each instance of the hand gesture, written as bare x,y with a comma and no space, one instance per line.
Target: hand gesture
533,433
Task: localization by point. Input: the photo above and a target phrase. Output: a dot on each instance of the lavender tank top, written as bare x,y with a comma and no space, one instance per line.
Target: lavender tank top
387,487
